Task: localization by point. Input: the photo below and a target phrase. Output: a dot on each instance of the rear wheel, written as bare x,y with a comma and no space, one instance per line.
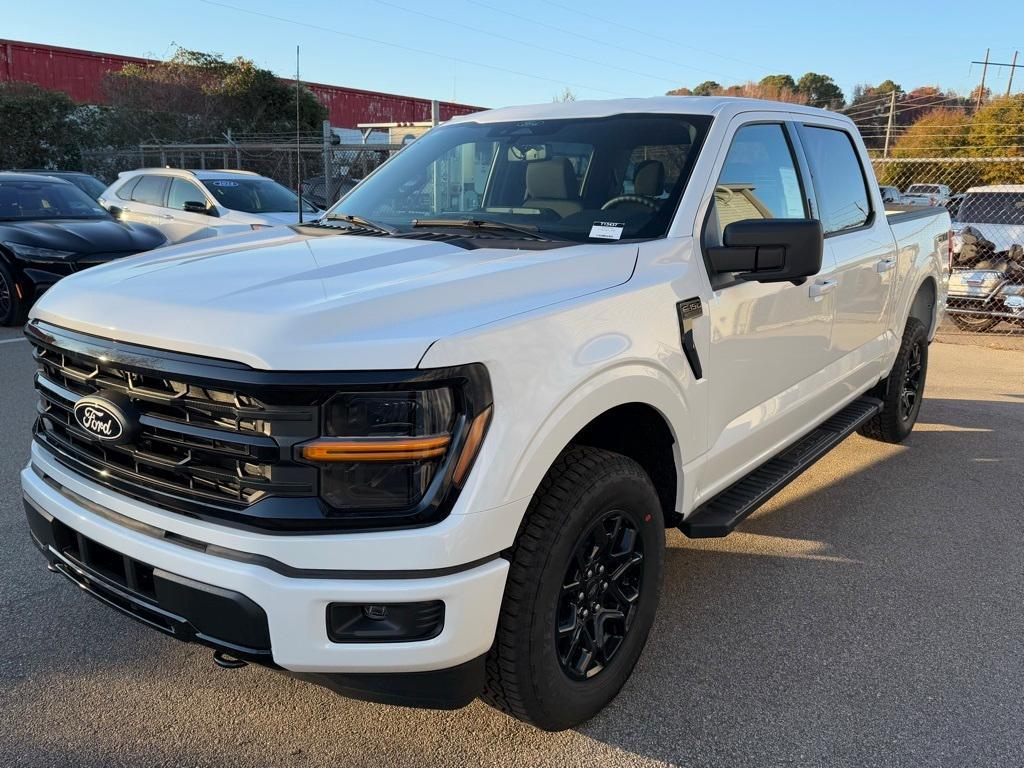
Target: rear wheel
902,391
582,591
11,307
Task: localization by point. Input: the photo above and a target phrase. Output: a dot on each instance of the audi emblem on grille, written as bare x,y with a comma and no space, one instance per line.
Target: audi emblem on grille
103,419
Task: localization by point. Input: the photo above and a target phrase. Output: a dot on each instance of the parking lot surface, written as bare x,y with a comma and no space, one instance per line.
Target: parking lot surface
870,615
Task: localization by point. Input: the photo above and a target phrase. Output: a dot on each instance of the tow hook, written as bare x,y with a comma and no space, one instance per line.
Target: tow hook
224,661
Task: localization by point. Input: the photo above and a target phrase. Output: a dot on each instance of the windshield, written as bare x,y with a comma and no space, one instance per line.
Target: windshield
46,200
583,180
992,208
255,196
92,186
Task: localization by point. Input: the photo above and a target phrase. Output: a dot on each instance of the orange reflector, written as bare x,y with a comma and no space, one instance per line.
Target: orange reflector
473,440
384,449
17,290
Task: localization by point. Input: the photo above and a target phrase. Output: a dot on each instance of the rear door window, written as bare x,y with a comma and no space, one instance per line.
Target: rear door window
150,190
839,181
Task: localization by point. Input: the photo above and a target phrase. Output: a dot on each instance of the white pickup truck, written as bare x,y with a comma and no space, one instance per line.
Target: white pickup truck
427,448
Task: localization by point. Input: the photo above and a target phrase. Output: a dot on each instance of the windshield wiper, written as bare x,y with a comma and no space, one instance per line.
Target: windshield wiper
480,224
359,221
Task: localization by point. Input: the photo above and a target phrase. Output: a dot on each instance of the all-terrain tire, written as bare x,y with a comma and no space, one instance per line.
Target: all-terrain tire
528,675
903,389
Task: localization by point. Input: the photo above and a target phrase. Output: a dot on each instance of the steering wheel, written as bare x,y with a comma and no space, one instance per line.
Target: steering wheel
644,201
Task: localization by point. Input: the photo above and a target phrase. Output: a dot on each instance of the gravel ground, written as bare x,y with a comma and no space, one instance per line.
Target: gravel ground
870,615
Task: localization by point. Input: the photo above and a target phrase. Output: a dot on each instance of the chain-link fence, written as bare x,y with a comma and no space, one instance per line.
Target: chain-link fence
327,170
985,197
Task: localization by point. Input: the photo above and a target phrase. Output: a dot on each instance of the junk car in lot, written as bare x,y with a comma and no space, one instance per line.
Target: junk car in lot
192,205
986,286
426,448
49,228
926,194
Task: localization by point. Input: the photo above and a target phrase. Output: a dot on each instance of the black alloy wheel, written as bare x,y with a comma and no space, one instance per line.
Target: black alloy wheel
599,596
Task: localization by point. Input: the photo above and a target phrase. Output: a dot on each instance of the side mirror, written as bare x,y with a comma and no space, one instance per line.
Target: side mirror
194,206
770,250
114,211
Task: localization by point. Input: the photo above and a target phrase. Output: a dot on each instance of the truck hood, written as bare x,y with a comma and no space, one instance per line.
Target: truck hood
279,300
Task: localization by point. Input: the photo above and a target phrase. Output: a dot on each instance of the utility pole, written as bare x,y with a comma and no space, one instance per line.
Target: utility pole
298,150
1013,67
981,88
888,127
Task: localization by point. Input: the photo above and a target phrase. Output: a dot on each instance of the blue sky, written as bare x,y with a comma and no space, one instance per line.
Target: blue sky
492,52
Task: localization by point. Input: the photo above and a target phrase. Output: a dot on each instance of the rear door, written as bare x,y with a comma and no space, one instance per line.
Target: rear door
769,341
860,242
147,201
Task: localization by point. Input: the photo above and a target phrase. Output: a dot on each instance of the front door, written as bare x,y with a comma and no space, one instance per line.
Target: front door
769,341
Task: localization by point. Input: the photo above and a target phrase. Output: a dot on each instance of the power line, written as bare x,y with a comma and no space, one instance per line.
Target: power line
411,49
617,24
537,46
589,39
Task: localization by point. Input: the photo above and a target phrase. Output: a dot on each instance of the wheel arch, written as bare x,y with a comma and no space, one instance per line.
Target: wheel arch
925,305
639,412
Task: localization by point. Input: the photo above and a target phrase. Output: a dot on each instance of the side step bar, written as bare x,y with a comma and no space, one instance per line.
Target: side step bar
720,515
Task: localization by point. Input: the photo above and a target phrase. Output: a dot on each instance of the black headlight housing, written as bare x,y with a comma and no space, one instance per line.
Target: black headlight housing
397,454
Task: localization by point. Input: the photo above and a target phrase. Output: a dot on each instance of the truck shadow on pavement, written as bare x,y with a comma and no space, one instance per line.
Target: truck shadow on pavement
871,613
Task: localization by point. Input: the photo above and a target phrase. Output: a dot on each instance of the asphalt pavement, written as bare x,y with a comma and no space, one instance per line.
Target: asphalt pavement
870,615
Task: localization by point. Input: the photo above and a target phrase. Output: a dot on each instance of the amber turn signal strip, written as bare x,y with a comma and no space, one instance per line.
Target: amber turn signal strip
385,449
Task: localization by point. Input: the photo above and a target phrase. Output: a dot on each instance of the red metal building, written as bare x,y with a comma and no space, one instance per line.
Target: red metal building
80,75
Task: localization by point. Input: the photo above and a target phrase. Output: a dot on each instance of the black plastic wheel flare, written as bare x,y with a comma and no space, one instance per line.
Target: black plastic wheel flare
911,384
599,596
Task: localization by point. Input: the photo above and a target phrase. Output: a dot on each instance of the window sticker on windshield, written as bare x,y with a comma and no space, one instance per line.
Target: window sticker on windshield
224,183
607,230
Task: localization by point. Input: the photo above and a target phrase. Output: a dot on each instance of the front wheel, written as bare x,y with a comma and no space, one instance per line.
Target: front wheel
902,391
582,591
12,308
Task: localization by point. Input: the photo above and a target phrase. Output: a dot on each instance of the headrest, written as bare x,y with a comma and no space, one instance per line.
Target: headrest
552,179
649,178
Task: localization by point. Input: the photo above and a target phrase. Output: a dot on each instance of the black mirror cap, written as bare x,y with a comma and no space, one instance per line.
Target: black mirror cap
194,206
770,250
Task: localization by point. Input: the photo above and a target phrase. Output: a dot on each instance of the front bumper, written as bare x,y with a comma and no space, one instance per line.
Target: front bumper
294,607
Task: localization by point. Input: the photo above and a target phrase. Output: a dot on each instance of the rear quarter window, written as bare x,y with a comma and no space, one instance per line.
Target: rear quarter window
125,190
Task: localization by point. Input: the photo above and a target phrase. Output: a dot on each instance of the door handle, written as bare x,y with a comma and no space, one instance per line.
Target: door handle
822,287
885,265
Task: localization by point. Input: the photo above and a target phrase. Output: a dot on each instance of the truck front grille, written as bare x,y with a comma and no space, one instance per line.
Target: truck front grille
202,444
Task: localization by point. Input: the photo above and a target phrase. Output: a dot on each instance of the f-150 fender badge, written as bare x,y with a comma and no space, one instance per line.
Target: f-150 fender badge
688,311
690,308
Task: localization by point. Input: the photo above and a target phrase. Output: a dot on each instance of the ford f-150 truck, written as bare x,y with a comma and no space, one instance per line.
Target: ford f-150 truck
426,448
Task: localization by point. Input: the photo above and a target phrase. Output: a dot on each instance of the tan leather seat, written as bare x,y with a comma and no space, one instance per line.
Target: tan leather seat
552,184
649,178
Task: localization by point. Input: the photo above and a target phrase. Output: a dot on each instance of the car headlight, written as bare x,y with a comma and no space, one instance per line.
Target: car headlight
388,451
34,252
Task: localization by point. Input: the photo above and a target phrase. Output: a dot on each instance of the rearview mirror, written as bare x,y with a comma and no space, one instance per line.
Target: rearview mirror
770,250
194,206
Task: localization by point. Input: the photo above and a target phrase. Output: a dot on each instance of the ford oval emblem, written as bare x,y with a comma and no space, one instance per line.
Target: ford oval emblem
101,418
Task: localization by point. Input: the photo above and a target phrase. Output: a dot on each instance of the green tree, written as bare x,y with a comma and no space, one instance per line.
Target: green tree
40,129
707,88
820,90
778,82
997,130
196,94
940,133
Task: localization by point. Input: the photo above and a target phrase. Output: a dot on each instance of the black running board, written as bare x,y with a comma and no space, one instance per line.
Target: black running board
719,516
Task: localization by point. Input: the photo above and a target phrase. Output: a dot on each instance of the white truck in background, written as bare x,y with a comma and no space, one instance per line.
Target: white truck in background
426,448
